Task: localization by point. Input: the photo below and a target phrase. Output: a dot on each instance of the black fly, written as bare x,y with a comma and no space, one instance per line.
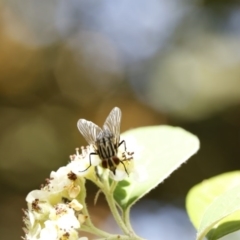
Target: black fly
105,141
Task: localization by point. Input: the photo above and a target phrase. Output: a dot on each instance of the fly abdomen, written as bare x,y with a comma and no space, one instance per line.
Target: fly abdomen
104,163
111,163
108,163
116,160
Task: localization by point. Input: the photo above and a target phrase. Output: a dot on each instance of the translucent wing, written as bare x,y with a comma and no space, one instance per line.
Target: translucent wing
89,130
113,122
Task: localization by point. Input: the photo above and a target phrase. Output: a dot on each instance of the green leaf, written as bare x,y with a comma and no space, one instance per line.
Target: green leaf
214,206
158,150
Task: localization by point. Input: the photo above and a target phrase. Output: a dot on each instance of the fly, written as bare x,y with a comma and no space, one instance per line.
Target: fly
105,141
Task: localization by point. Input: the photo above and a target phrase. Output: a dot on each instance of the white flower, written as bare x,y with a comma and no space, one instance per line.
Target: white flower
28,219
136,171
38,204
80,163
41,195
132,144
119,175
49,232
64,216
53,212
62,224
74,204
59,180
31,230
125,167
63,179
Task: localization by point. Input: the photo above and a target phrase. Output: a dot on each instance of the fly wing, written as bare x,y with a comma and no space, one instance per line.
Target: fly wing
89,130
113,122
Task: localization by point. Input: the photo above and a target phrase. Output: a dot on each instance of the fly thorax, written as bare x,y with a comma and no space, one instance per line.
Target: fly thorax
105,145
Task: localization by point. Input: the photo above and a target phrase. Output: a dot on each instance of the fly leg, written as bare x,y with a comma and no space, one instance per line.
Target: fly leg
90,163
124,167
124,155
123,142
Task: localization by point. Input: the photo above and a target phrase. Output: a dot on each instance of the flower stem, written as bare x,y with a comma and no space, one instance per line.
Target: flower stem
119,237
88,226
115,212
125,213
112,187
96,231
126,218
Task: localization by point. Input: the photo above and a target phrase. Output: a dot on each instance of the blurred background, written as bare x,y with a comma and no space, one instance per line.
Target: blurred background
173,62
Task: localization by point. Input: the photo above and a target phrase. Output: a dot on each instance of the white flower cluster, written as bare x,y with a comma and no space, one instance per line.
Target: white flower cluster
55,212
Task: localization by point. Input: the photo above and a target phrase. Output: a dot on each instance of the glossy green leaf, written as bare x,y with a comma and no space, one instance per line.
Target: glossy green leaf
158,150
213,206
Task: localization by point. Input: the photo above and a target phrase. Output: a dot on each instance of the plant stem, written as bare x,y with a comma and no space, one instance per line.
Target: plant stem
115,212
123,219
88,226
96,231
126,219
118,237
112,187
82,199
